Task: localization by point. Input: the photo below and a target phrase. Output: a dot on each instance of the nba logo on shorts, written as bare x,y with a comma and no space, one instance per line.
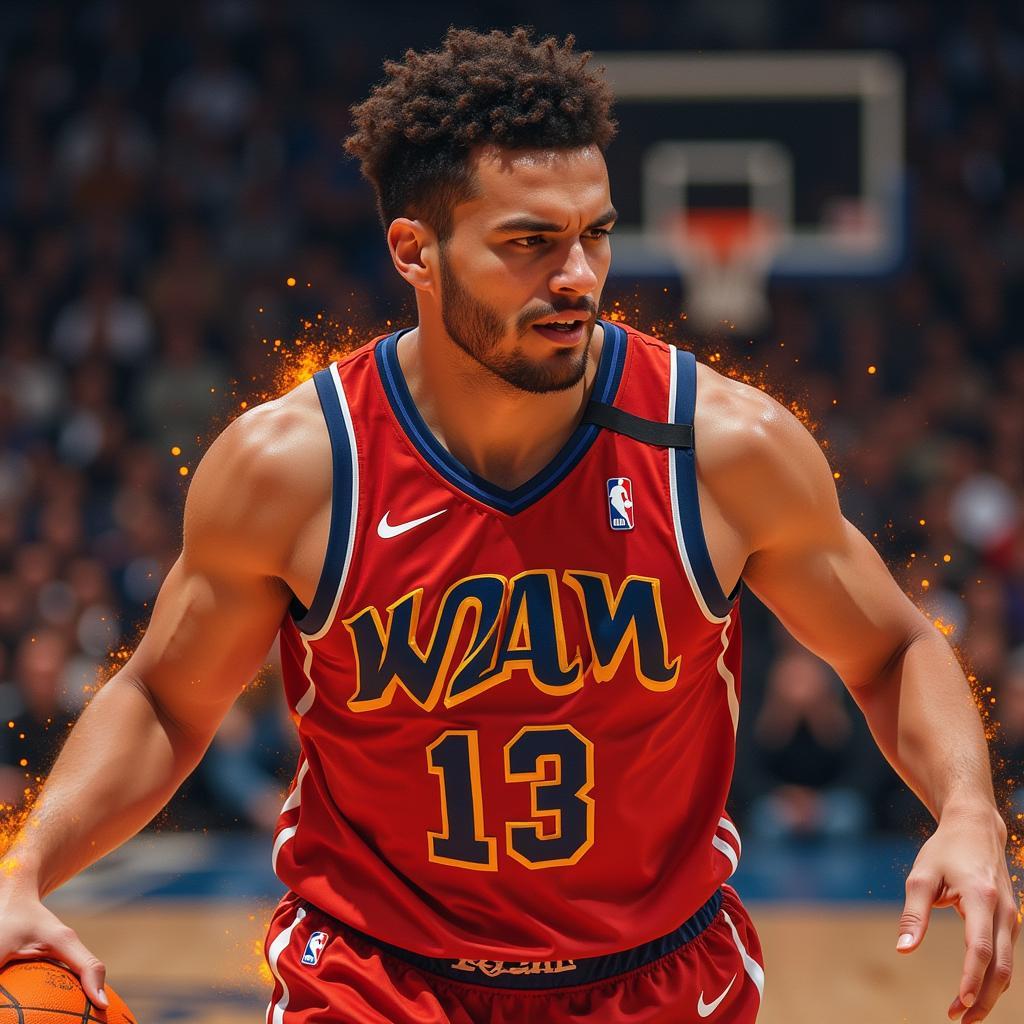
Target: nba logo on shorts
620,503
314,948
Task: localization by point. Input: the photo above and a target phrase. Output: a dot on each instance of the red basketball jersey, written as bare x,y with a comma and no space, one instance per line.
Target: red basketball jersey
516,709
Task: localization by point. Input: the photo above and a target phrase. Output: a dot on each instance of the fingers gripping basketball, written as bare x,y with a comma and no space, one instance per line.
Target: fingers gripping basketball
44,992
31,932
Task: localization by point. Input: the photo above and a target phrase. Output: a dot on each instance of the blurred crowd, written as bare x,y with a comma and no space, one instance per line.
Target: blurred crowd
165,167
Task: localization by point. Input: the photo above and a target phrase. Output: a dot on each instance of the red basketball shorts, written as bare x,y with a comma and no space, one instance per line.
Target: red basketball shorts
326,973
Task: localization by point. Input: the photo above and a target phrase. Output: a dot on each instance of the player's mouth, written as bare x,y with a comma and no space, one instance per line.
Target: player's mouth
563,332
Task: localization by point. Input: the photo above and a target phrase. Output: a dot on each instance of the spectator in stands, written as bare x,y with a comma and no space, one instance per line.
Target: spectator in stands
1009,743
808,752
105,322
246,769
35,715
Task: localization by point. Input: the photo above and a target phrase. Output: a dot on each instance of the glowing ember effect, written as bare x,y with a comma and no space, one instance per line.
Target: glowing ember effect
262,967
12,820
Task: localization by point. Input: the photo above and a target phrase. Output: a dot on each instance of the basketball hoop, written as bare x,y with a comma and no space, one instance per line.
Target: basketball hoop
724,256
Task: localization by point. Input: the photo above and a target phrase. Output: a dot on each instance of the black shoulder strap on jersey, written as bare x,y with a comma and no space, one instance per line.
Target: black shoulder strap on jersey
664,435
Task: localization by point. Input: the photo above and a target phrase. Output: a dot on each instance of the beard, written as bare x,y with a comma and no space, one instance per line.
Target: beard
478,330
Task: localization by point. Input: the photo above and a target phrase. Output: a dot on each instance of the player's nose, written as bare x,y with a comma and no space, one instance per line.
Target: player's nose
575,275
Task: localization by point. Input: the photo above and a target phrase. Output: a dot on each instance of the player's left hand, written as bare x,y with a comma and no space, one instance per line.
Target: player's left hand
963,865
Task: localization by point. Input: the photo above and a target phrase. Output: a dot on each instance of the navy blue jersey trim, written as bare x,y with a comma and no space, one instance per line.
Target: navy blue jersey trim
312,620
609,374
583,971
686,491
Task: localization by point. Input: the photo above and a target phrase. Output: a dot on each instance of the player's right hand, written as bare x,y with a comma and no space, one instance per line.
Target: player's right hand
28,931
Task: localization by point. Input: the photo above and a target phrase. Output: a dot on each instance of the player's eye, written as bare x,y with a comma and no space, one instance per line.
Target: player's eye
533,241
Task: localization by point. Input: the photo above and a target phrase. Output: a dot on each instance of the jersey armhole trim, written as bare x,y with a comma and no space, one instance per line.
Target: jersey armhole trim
690,539
316,620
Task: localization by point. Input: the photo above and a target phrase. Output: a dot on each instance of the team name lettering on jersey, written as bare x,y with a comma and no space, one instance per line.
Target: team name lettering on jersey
487,627
496,968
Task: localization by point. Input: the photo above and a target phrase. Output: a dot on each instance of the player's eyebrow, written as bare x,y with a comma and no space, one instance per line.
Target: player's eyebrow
534,225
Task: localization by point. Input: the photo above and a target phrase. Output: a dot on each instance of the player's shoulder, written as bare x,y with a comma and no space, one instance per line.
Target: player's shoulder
263,477
754,456
273,442
734,418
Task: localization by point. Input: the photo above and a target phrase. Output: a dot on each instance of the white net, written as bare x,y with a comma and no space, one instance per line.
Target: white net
723,257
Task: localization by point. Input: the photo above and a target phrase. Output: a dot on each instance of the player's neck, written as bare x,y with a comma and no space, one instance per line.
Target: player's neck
499,432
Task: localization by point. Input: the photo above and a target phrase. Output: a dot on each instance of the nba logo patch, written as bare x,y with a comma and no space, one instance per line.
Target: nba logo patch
620,503
315,946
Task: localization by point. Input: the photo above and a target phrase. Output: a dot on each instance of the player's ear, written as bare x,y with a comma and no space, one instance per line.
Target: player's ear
413,244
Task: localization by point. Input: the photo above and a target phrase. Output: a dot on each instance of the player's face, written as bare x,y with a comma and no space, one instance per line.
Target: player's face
529,249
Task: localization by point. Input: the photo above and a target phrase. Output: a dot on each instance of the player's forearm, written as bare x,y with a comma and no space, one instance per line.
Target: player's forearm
924,719
120,765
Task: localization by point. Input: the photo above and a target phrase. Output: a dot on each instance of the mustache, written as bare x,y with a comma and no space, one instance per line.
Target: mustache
531,316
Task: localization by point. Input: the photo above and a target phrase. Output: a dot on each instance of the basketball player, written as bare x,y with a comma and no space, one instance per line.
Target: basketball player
516,694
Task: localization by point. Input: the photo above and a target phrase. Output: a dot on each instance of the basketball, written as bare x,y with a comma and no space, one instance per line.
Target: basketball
44,992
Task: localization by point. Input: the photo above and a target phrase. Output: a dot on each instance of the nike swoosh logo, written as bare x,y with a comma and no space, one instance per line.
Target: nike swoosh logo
706,1009
386,530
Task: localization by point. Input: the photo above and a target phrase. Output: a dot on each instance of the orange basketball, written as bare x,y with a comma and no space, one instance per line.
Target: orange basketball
44,992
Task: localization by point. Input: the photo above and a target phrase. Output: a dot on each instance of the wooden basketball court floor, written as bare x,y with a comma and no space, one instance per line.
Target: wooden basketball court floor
180,921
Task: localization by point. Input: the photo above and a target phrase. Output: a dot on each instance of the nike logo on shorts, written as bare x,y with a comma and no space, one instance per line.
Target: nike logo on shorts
386,530
706,1009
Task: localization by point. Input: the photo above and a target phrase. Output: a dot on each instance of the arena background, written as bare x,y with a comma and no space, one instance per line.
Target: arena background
180,235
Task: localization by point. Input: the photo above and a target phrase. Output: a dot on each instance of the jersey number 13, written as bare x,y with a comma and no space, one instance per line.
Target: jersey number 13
559,796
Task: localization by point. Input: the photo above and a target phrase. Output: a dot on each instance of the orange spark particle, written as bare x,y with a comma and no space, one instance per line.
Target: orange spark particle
925,584
836,475
920,522
947,558
290,282
183,470
872,369
175,450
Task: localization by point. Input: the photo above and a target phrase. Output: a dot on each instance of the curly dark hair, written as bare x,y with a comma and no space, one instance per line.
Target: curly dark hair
414,135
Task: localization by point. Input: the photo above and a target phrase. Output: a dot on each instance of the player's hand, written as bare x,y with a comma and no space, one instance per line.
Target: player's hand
29,931
963,865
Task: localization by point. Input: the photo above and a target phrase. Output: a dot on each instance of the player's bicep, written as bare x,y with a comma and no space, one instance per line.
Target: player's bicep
839,601
208,636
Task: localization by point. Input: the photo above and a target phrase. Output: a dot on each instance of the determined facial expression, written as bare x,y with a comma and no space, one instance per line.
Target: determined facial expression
529,249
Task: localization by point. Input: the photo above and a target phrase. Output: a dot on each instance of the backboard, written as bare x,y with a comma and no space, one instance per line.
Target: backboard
811,143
